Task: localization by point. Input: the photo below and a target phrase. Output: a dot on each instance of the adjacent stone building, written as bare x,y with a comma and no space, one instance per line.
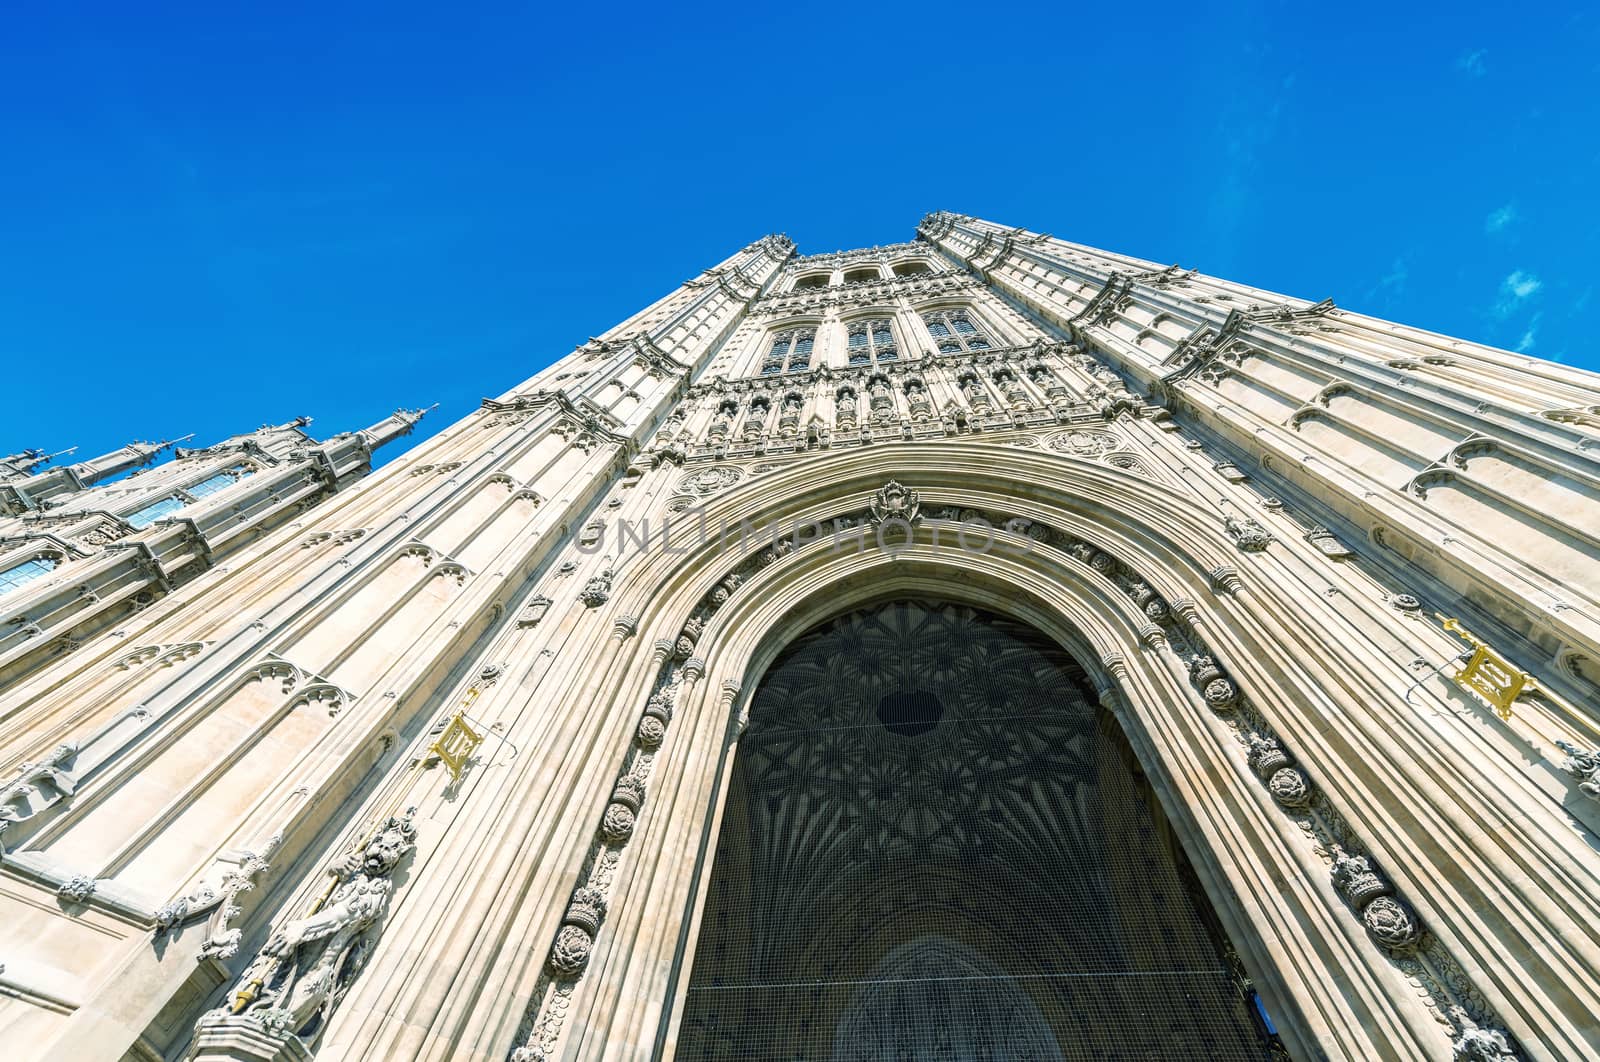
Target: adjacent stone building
979,647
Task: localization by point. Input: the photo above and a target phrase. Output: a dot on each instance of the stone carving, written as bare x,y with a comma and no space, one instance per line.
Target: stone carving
533,612
722,422
575,939
1355,879
103,534
221,939
1147,599
1325,541
1266,757
1584,767
1391,924
570,954
845,407
36,786
616,826
1220,693
1247,534
307,964
1405,603
597,591
653,724
683,648
77,889
725,589
708,481
1289,788
1483,1045
895,502
1090,443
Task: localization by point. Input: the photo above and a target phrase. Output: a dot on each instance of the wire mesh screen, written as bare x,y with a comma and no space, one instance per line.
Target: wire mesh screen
934,847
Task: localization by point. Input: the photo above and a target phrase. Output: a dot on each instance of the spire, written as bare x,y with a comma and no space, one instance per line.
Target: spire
133,455
396,424
27,461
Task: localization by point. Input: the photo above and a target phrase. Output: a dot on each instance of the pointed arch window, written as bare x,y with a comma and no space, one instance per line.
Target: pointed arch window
956,331
790,351
22,574
871,342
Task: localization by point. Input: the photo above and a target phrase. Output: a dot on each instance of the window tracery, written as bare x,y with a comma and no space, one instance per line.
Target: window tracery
871,342
210,485
790,351
21,574
143,518
955,331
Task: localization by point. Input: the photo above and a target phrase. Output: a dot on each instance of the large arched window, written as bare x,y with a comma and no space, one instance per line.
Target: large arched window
20,575
871,341
955,331
790,351
937,845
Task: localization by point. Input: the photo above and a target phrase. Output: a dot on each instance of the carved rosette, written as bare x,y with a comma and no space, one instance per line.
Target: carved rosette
1219,692
653,724
616,826
570,953
1392,924
683,648
1289,788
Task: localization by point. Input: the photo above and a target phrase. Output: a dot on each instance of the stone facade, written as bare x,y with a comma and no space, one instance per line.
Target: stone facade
433,768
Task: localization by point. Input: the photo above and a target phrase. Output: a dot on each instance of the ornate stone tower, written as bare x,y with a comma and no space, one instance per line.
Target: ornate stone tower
984,646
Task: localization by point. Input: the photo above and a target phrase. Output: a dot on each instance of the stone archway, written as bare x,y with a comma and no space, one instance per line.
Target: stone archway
918,770
1202,664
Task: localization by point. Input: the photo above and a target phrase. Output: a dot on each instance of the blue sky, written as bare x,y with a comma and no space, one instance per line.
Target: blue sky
214,218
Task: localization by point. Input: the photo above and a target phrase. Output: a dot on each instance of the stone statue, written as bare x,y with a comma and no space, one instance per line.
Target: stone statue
307,963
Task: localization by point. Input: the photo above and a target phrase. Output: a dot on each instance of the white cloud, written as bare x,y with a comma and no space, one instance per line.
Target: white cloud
1471,63
1520,285
1526,342
1499,219
1514,290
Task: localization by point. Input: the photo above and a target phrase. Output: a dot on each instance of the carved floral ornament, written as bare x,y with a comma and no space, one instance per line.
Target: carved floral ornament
709,481
1084,443
1391,923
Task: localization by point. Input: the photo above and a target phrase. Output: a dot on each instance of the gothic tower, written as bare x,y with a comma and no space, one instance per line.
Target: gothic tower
983,646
